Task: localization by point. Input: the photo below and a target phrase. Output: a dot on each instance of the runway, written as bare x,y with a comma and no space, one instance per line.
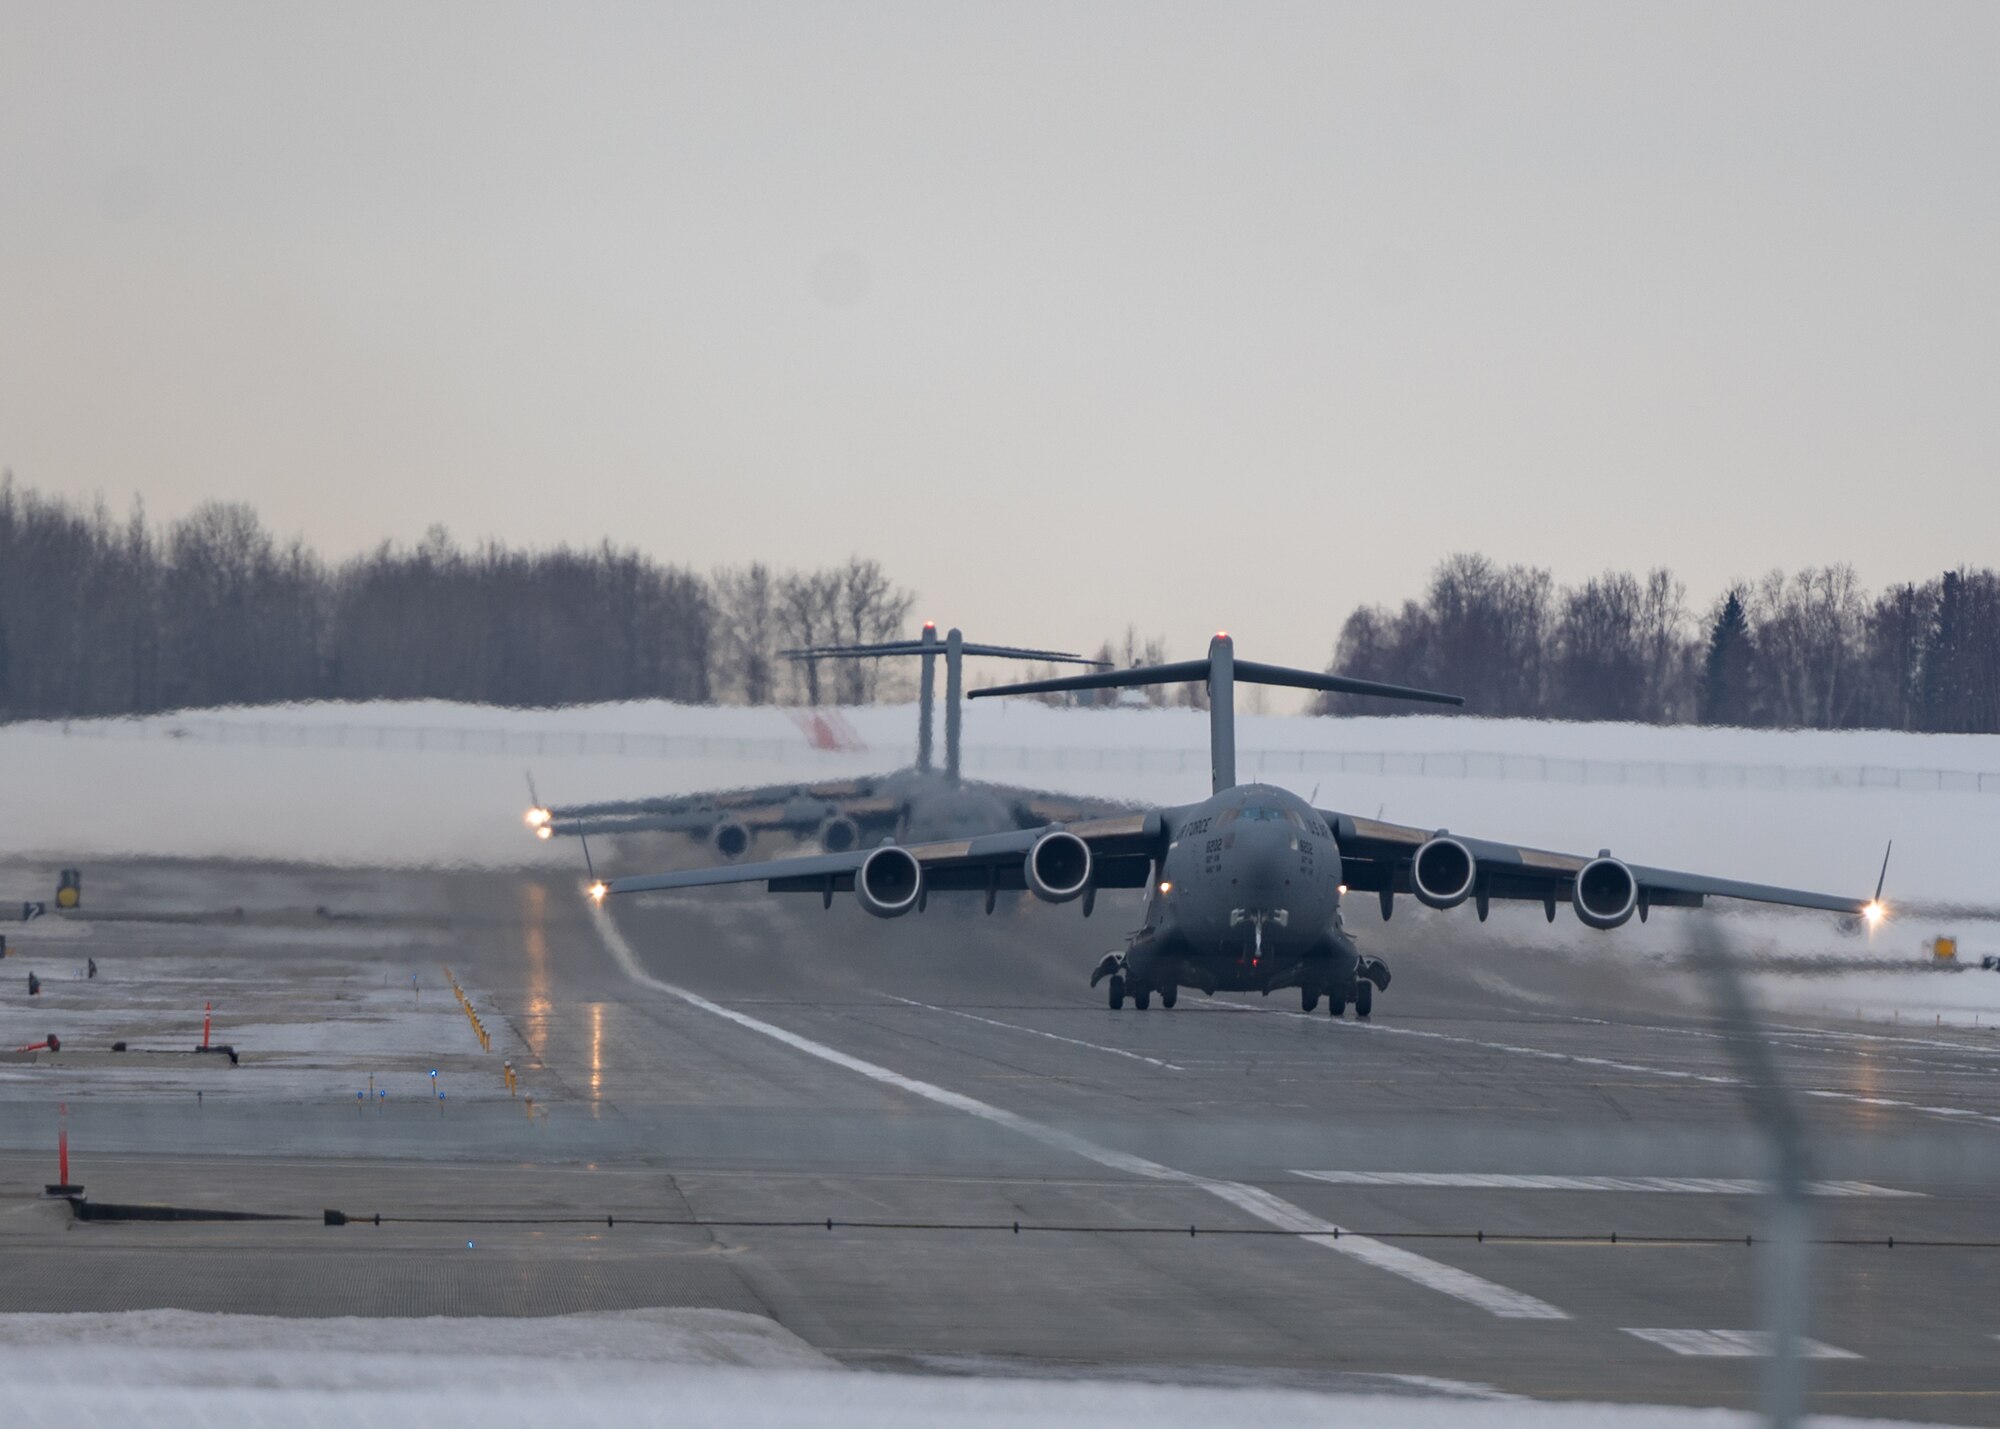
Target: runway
1227,1192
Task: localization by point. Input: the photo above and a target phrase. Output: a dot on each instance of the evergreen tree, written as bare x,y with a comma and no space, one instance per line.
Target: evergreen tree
1725,674
1943,700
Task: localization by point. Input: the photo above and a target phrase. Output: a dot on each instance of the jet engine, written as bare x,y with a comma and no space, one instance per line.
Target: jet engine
729,839
1605,894
890,882
839,834
1057,868
1442,873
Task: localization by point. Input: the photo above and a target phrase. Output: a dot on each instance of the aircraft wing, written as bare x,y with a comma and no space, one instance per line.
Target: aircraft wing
714,802
1375,858
1122,851
1038,808
796,816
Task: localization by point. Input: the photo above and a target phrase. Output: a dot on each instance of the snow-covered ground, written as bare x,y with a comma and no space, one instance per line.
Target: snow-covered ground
678,1367
435,784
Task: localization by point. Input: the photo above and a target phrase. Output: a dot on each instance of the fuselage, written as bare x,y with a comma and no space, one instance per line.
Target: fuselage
1247,898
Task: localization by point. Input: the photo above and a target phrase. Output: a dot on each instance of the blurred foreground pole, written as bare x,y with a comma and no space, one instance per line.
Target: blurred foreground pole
1787,1215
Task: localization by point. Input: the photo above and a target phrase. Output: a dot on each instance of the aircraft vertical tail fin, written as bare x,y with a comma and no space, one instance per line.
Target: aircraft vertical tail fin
954,647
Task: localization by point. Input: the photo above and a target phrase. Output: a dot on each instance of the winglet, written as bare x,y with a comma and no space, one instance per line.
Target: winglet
538,814
1876,910
598,887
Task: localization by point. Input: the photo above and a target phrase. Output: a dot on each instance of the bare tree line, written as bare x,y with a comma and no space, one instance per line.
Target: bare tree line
1808,650
100,616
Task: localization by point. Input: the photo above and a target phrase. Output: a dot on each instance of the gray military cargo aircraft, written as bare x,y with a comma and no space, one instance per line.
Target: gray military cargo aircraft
845,814
1244,888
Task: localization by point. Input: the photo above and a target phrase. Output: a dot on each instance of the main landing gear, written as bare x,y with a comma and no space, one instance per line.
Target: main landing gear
1113,971
1336,1002
1142,996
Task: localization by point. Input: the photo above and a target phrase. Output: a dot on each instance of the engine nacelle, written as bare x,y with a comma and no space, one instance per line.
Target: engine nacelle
1057,868
1605,894
1443,872
839,834
890,882
729,839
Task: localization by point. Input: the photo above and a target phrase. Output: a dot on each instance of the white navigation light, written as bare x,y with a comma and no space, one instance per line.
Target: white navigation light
545,832
598,890
1166,886
1875,912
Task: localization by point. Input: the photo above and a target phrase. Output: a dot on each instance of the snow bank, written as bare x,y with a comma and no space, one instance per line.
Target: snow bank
437,784
638,1368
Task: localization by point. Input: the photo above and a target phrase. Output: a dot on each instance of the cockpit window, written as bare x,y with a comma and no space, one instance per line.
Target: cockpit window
1270,814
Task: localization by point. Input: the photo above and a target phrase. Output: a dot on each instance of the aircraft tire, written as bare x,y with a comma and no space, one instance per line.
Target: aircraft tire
1117,993
1336,1005
1143,998
1364,998
1308,999
1170,994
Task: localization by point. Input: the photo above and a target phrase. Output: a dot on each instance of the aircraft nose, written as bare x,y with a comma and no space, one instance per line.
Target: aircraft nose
1262,855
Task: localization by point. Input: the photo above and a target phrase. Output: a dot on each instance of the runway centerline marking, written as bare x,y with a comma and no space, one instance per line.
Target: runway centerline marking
1273,1210
1668,1185
1035,1032
1734,1344
1549,1054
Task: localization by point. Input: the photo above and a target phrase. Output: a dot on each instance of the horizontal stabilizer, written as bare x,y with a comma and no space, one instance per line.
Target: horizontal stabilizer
912,647
1197,671
1220,672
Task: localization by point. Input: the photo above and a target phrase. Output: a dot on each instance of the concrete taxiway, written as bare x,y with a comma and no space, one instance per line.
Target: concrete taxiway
1227,1192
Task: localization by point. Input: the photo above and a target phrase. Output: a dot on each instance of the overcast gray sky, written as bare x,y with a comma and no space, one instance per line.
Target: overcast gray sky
1074,314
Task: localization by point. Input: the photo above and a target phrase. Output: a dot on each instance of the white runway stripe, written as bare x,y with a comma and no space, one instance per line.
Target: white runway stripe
1734,1344
1672,1185
1035,1032
1254,1201
1576,1059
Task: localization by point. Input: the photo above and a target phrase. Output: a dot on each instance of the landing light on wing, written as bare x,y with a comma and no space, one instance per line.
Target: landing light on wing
1165,886
1875,912
597,892
544,832
1341,890
537,818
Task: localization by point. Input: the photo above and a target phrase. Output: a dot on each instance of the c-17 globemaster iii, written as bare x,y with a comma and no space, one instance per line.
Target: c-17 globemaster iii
1243,888
843,814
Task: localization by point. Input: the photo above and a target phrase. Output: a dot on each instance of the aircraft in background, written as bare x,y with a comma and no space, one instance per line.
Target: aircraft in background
846,814
1243,888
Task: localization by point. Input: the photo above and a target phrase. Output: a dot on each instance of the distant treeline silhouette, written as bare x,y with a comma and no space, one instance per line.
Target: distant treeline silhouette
100,616
1809,650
